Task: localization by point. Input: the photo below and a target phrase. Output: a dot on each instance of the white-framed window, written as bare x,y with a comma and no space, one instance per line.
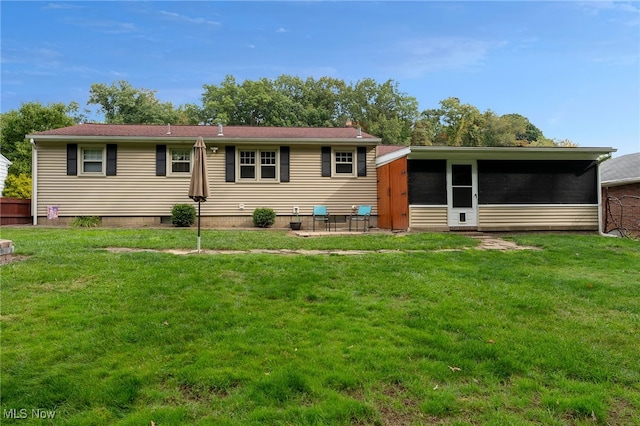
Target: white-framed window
247,165
268,164
92,160
258,165
180,160
344,162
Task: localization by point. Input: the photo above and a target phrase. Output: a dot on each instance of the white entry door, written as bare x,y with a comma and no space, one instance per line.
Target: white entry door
462,193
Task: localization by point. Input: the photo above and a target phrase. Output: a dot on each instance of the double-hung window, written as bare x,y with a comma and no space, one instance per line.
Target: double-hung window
258,164
92,160
180,160
267,164
344,163
247,164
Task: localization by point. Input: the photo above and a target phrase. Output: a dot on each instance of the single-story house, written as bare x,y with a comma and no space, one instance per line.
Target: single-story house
621,193
135,174
444,188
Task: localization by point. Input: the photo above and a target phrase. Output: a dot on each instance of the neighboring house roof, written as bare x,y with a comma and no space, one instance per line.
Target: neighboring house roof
621,170
146,131
5,160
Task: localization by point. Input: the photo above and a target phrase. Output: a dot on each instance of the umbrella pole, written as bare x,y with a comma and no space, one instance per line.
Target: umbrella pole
198,226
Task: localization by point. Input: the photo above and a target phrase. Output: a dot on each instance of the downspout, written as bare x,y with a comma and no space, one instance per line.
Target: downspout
34,181
600,218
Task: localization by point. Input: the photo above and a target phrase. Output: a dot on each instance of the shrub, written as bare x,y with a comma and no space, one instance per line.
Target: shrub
183,215
264,217
17,186
86,221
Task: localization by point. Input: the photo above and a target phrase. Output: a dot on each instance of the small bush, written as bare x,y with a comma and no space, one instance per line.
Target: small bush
183,215
86,221
264,217
17,186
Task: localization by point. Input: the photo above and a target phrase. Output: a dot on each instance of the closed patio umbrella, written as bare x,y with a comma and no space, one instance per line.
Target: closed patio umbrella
199,185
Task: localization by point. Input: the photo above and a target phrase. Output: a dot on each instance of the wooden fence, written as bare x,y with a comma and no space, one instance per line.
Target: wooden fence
15,211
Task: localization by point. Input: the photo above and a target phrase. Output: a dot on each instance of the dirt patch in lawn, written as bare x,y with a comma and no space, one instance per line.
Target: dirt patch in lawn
486,243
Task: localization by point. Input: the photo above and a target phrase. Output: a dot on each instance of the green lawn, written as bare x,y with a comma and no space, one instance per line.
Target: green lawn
413,336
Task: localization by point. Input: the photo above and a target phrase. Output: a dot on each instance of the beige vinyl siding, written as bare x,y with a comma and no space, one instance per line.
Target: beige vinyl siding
428,217
137,191
538,217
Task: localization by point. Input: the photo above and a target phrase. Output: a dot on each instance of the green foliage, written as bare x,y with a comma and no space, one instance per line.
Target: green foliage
183,215
264,217
458,124
31,117
86,221
17,186
380,109
121,103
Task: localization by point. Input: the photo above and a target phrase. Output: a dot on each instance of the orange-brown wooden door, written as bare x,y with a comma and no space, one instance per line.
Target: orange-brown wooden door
384,190
399,197
393,204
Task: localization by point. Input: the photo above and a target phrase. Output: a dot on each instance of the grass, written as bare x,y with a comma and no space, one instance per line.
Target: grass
416,336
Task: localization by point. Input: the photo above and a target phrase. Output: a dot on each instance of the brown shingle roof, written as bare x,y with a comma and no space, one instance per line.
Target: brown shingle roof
386,149
240,132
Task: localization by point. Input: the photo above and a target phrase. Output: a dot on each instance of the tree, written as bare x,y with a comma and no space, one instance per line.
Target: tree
381,109
121,103
31,117
458,124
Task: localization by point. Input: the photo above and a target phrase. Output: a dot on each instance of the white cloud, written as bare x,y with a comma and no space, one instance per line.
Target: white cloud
595,7
282,30
39,56
62,6
416,57
187,19
106,26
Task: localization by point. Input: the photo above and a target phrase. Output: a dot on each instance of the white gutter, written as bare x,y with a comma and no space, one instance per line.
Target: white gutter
619,182
34,181
211,139
381,160
599,186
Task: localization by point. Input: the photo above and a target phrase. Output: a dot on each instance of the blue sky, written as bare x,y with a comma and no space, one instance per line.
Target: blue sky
572,68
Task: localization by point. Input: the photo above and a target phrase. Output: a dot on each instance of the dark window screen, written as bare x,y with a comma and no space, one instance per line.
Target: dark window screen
247,172
462,197
427,182
537,182
461,175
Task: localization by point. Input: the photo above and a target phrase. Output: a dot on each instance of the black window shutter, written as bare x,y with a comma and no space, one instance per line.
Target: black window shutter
72,159
230,164
284,164
326,161
161,160
112,156
362,161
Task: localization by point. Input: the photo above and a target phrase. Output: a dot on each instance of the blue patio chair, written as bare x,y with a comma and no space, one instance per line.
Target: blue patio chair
320,214
363,214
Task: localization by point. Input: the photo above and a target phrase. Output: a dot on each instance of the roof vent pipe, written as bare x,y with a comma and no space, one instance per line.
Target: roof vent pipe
168,128
220,130
359,133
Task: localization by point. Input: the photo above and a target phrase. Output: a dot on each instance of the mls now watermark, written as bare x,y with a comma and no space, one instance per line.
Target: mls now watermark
23,413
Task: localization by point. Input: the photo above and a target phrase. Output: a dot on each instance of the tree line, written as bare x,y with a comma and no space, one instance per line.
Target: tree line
380,109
